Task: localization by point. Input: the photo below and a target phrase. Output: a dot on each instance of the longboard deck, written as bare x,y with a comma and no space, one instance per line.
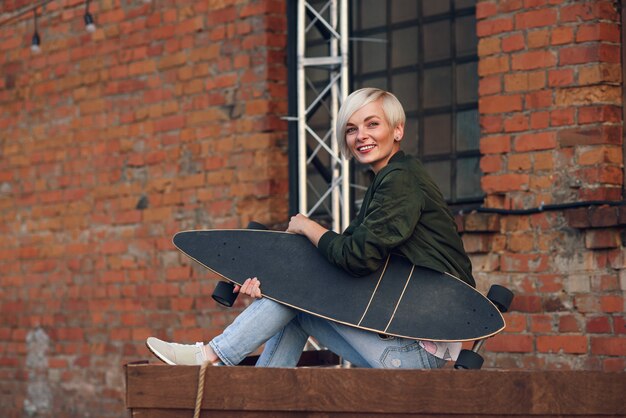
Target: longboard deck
399,299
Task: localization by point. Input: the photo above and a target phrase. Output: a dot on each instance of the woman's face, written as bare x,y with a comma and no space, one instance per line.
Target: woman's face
370,138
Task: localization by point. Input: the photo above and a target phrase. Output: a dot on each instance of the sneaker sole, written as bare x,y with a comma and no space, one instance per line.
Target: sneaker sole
159,356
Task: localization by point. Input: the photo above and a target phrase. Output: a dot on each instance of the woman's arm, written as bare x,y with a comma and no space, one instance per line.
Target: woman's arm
302,225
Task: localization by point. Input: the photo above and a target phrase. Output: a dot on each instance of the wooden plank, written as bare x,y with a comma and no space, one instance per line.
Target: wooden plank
368,391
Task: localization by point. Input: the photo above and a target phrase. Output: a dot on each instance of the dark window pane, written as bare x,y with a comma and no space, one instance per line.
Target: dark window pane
434,7
409,141
378,82
372,56
403,10
437,87
404,86
437,134
468,178
373,13
431,67
404,47
467,131
464,4
467,83
440,172
437,41
466,40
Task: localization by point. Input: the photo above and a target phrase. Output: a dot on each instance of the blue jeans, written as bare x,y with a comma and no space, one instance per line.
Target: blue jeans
285,331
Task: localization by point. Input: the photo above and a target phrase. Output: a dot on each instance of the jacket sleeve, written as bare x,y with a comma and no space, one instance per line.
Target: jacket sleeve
390,219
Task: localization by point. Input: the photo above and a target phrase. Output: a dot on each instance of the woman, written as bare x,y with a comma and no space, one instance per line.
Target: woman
403,211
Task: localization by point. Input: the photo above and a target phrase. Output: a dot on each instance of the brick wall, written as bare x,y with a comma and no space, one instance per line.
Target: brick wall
551,121
166,118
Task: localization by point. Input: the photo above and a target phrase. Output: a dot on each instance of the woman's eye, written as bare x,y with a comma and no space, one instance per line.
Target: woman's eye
350,130
373,124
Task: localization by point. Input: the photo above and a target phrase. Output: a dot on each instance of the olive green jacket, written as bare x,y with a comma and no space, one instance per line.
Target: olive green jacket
403,211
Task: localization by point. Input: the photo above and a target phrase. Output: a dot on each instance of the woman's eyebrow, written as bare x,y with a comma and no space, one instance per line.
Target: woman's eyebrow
364,120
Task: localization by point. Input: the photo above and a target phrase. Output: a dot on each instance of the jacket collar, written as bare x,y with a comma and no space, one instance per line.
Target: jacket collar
398,156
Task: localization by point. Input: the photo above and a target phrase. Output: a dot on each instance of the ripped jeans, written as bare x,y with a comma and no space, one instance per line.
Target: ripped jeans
286,330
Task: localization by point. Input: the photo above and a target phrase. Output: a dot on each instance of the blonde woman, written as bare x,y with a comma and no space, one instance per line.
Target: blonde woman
403,211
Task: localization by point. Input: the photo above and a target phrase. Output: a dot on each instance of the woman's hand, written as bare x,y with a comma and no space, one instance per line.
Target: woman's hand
300,224
251,287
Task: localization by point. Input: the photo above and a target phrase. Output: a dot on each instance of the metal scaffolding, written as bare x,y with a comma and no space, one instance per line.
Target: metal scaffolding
322,85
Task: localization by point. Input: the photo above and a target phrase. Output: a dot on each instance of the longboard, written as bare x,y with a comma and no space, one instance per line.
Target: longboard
399,299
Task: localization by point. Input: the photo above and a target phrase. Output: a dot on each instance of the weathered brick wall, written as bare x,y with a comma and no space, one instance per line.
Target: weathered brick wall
551,121
166,118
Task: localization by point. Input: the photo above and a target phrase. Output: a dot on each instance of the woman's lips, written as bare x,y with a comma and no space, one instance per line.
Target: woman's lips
365,148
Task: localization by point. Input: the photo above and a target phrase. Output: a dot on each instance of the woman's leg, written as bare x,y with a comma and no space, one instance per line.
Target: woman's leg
284,348
254,326
368,349
260,321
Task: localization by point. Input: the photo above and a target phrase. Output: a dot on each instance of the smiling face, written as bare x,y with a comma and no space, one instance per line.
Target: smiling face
370,138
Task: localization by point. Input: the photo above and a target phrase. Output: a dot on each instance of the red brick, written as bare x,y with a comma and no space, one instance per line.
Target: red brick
493,65
598,325
506,6
532,60
535,142
558,78
491,163
589,136
593,114
541,323
615,346
574,344
516,123
619,324
491,124
510,343
490,85
602,31
514,42
612,303
562,117
539,120
500,104
493,26
569,323
562,35
578,11
535,18
488,46
538,100
600,239
613,365
178,273
579,54
603,216
504,182
538,38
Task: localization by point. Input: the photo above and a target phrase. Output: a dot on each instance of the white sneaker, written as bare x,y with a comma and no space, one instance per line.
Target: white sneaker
177,354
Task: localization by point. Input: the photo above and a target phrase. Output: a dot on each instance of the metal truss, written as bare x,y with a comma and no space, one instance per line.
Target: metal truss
322,85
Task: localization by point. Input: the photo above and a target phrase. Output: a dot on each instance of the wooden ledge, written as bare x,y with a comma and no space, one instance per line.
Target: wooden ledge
160,391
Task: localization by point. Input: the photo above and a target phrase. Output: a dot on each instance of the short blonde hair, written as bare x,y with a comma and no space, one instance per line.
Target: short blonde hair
394,112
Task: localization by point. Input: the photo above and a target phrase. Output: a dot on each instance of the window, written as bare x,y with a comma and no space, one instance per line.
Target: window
425,52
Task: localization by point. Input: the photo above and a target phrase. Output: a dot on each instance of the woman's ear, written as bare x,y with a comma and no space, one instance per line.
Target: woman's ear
398,132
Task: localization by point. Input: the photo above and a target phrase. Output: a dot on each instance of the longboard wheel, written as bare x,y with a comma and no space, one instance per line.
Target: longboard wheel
256,225
223,294
500,296
469,360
